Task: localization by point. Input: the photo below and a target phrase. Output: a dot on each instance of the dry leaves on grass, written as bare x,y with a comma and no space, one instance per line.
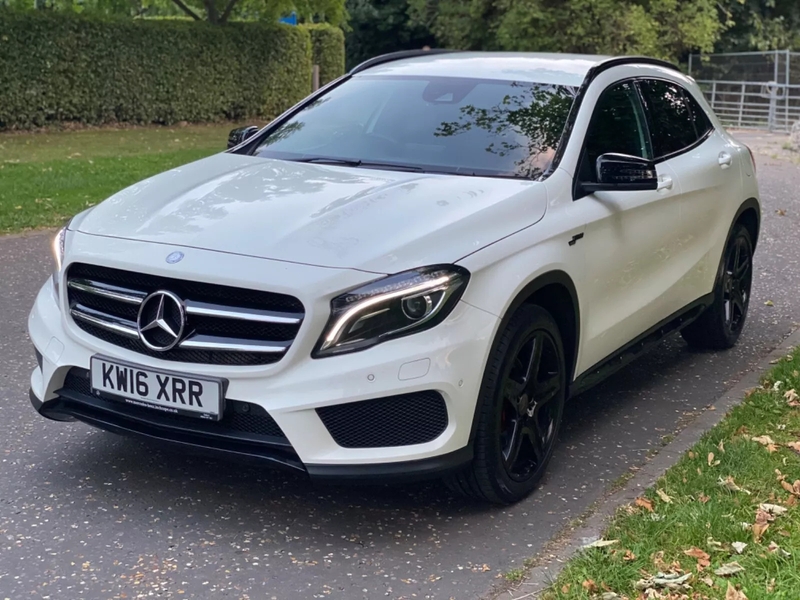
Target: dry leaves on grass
775,548
761,525
664,497
669,581
644,503
703,499
590,586
601,543
729,484
794,446
739,547
792,398
728,569
628,556
734,594
711,461
703,559
767,442
792,488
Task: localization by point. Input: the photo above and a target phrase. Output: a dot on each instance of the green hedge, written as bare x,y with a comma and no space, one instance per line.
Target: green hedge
327,48
67,68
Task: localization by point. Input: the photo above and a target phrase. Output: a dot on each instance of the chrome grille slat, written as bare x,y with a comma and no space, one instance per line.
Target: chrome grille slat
105,321
112,292
224,344
224,325
207,309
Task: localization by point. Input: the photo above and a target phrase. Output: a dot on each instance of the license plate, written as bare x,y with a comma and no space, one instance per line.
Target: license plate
159,390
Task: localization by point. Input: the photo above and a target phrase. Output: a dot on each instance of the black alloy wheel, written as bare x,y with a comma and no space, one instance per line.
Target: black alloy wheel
519,411
531,411
720,325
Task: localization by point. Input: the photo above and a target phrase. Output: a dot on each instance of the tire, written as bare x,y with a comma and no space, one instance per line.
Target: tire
522,393
720,325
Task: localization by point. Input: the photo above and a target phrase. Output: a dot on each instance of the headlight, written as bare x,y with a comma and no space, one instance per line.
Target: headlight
391,307
58,255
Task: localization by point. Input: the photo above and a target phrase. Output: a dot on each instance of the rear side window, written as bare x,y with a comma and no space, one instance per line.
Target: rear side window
676,120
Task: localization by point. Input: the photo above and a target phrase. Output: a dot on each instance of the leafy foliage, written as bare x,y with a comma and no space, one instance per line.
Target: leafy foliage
381,26
661,28
760,25
327,49
66,67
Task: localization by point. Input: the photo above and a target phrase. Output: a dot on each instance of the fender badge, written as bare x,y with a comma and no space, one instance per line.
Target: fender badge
174,257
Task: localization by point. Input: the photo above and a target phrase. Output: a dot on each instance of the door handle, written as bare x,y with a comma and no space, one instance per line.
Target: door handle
725,159
664,183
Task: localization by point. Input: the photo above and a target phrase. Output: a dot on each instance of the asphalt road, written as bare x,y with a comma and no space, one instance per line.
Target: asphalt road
86,514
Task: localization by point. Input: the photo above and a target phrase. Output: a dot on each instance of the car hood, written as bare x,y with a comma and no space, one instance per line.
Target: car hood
329,216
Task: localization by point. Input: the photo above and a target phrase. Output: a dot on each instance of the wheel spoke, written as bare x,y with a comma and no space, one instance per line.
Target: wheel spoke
546,390
736,257
534,361
511,451
536,438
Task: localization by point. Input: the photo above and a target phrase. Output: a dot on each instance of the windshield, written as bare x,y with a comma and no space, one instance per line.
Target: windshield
431,124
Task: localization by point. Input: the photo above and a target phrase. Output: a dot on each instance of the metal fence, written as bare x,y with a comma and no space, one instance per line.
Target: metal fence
751,90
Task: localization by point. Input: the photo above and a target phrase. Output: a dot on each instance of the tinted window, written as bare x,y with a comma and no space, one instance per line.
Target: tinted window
617,125
672,122
449,124
701,123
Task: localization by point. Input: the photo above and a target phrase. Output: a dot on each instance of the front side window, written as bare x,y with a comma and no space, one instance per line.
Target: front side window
672,122
432,124
618,126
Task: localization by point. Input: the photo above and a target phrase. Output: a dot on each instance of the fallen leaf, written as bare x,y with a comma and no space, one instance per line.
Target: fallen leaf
703,559
644,503
601,543
590,586
728,569
758,530
739,547
791,501
692,455
773,509
780,212
793,488
771,586
708,581
792,398
663,496
610,596
734,594
721,446
769,303
710,458
767,442
777,386
794,446
565,588
729,484
703,498
629,556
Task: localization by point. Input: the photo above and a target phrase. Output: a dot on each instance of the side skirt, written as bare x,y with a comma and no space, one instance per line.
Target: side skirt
634,349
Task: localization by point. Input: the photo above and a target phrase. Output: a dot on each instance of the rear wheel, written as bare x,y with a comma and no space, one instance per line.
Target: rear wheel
520,408
721,323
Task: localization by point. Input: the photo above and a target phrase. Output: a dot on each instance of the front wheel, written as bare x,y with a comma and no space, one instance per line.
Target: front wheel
721,323
520,407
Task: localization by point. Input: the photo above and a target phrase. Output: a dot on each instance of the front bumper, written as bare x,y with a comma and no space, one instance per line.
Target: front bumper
448,359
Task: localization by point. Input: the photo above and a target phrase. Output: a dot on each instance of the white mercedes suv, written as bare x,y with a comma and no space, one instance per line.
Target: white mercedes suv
408,273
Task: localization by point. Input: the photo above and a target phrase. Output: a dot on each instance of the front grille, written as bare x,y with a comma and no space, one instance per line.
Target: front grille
239,417
400,420
223,325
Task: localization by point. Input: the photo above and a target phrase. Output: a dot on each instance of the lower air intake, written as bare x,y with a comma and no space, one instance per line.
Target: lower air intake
402,420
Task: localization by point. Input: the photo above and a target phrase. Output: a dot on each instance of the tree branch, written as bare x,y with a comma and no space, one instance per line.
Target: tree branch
188,10
227,12
211,9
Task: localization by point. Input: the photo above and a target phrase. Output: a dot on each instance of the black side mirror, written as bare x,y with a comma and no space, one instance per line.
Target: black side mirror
623,172
240,134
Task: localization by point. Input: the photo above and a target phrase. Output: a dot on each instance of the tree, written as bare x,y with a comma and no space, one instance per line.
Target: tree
660,28
221,11
381,26
760,25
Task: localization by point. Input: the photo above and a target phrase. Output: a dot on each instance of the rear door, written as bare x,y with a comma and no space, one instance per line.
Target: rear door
707,180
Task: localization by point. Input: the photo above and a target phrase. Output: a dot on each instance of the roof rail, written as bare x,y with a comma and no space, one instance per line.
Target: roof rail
392,56
627,60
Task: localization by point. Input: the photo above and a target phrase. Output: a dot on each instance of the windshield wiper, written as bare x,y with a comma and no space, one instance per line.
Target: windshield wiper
348,162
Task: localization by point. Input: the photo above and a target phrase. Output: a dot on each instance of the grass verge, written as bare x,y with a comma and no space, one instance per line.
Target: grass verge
45,178
731,505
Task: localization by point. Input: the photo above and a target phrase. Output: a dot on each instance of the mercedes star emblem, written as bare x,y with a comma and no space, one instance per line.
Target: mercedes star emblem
161,321
174,257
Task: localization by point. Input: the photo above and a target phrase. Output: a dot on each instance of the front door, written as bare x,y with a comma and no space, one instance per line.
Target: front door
630,237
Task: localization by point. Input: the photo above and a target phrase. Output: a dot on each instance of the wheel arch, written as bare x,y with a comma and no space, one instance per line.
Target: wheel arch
555,292
749,215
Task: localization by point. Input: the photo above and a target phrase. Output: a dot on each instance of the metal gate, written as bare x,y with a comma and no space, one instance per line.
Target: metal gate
751,90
